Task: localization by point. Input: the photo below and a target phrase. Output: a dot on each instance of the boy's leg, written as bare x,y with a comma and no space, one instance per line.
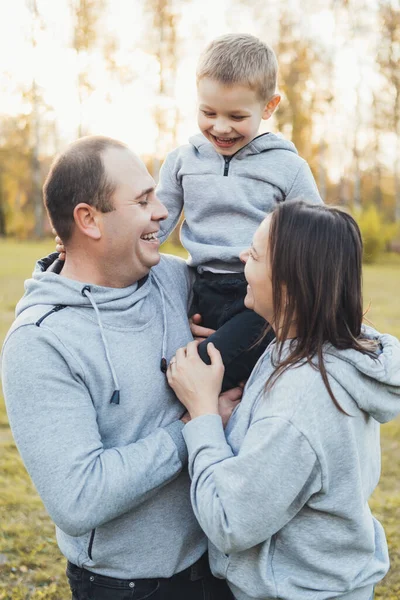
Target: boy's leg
236,340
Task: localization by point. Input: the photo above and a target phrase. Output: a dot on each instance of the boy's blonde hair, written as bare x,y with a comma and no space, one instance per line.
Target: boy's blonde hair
240,58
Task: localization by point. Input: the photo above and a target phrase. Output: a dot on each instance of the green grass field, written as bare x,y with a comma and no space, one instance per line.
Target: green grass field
31,566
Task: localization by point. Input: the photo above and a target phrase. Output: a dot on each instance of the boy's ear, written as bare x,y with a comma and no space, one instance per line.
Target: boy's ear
87,219
271,106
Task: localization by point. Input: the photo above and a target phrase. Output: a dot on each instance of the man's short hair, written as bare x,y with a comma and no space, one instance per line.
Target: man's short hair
78,175
242,59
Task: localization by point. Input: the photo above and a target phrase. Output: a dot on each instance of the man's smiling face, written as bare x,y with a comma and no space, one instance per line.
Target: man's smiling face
130,231
229,116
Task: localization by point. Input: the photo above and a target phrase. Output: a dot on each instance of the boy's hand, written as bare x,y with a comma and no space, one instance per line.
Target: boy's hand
199,333
59,245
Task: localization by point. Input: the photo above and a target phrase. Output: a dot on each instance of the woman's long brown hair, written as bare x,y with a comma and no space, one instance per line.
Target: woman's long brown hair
316,264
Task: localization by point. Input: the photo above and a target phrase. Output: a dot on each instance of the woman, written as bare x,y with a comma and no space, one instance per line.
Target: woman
283,492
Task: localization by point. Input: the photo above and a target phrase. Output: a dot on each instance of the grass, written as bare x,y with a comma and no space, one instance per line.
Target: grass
31,566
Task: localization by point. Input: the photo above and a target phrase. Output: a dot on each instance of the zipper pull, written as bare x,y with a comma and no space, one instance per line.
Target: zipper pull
226,168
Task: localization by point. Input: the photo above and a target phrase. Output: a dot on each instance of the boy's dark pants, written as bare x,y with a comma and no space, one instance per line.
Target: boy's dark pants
219,298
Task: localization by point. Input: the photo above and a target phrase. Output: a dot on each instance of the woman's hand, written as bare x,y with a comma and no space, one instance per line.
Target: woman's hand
196,384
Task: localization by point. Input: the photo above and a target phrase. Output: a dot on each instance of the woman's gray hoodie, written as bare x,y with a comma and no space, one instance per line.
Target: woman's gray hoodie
283,493
226,198
96,423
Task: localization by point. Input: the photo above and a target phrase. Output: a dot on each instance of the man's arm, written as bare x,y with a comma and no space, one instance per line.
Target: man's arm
82,483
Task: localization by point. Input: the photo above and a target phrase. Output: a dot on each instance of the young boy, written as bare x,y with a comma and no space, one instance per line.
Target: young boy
226,180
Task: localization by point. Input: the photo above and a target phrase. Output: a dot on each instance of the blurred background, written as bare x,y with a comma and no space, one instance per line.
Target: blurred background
126,69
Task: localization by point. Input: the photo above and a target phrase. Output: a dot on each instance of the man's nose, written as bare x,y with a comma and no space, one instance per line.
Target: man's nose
160,211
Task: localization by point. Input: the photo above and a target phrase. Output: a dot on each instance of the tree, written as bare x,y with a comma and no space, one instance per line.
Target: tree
389,61
36,193
162,40
85,18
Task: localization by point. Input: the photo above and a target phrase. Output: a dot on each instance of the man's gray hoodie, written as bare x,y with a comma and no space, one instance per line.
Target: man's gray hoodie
96,423
283,493
226,198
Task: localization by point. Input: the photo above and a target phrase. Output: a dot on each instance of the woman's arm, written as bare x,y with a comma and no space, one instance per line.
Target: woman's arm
241,501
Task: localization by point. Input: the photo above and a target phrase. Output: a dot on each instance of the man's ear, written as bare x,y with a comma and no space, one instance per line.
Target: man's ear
271,106
86,218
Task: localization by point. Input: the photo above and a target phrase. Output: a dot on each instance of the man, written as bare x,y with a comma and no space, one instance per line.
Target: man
84,364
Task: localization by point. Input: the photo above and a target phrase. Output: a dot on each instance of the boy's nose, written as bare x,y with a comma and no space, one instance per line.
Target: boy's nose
244,255
222,126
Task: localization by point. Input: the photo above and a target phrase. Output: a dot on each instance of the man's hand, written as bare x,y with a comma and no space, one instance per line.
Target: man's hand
227,402
185,418
59,245
199,333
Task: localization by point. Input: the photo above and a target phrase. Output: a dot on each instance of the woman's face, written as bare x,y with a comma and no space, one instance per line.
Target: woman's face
258,273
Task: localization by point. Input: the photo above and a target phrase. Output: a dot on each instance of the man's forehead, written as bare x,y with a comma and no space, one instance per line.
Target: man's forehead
123,165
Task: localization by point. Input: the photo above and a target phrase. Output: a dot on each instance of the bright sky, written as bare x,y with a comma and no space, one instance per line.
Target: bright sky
125,111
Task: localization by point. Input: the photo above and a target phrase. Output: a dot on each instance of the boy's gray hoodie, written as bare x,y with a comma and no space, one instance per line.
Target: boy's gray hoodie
283,493
112,476
226,198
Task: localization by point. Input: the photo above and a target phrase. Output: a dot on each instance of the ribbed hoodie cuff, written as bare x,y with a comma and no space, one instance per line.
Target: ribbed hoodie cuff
202,431
174,430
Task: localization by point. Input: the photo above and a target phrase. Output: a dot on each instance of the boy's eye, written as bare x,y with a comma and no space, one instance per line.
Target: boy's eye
238,117
208,114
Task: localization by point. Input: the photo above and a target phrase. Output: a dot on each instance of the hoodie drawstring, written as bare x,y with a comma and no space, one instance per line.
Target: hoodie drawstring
163,364
116,393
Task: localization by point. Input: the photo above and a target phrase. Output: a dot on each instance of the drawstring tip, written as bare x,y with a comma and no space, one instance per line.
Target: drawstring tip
163,365
115,397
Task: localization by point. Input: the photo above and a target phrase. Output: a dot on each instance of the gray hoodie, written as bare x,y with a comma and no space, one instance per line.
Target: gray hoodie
226,198
283,493
96,423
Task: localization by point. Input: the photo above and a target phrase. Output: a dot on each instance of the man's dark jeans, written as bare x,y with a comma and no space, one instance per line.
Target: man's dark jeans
219,298
194,583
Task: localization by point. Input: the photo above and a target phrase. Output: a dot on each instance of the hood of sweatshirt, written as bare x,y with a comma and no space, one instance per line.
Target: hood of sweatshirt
261,143
372,382
105,305
49,289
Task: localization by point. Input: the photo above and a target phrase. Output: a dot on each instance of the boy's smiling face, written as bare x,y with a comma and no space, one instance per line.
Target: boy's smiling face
229,116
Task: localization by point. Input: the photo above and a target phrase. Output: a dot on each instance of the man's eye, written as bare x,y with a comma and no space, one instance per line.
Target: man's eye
144,202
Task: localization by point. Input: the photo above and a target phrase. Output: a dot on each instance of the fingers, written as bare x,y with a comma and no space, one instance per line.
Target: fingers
180,353
196,319
233,395
191,349
201,332
214,354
